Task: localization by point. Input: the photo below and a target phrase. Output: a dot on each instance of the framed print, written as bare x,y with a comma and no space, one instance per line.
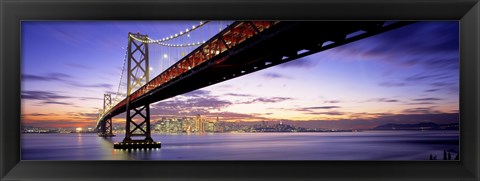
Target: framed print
180,91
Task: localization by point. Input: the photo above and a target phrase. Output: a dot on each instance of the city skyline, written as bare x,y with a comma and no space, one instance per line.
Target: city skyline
408,74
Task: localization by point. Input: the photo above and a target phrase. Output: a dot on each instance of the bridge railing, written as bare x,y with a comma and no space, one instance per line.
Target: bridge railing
234,34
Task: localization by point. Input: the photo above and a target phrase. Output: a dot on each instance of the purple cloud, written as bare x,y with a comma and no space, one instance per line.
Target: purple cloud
382,100
41,95
266,100
63,78
48,77
391,84
412,45
275,76
304,63
421,110
193,105
197,93
385,100
428,99
421,103
431,90
330,113
80,66
238,95
316,109
320,107
56,102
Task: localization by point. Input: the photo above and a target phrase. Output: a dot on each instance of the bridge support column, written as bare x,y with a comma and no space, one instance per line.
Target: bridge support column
109,127
137,118
141,126
106,129
137,125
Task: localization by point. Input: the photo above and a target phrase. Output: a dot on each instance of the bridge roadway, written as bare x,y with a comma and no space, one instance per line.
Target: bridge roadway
281,42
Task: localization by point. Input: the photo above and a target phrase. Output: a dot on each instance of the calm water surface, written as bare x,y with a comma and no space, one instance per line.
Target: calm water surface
368,145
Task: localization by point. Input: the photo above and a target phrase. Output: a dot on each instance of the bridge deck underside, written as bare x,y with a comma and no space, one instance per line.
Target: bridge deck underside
286,41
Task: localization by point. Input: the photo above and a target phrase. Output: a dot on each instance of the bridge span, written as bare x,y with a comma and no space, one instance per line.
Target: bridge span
241,48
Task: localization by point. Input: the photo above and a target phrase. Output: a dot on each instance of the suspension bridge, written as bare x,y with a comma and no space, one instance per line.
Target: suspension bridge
240,48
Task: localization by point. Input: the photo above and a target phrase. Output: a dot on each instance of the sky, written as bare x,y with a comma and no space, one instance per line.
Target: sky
406,75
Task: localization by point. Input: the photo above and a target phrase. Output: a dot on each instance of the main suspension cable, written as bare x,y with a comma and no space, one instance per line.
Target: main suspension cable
187,31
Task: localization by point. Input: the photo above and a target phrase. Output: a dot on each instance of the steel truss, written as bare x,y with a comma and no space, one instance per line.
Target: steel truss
107,128
137,76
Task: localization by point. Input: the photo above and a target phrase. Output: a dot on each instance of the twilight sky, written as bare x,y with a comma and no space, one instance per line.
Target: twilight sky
406,75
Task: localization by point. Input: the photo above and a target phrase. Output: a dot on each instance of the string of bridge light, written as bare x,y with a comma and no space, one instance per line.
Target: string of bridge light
181,45
159,41
167,44
121,77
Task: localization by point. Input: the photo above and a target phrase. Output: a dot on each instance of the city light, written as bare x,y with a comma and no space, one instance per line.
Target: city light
165,56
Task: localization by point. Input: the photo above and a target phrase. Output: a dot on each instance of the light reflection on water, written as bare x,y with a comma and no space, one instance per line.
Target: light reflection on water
368,145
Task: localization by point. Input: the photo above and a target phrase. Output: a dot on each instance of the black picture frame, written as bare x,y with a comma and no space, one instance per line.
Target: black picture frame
12,12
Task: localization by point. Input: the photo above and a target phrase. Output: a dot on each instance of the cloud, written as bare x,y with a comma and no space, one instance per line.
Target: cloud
382,100
90,98
202,103
192,105
443,80
266,100
235,116
80,66
63,78
107,86
238,95
41,95
330,113
439,84
48,77
197,93
304,63
208,103
318,110
41,114
432,90
332,101
49,97
421,110
421,103
392,84
225,86
312,110
56,102
60,123
83,115
275,76
418,77
413,46
112,93
319,107
428,99
385,100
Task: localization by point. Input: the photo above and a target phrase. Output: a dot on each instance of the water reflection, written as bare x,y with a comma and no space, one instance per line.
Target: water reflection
379,145
106,144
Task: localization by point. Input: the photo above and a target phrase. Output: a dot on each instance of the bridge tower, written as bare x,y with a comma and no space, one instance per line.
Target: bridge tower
137,117
106,129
